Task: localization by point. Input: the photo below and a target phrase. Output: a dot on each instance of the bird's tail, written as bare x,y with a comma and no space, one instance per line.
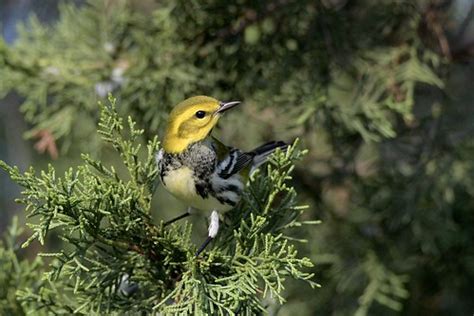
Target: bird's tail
262,152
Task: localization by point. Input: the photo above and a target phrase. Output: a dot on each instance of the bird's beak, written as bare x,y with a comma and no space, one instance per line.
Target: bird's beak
224,106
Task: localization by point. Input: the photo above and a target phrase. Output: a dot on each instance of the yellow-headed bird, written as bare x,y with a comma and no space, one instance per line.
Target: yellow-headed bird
197,168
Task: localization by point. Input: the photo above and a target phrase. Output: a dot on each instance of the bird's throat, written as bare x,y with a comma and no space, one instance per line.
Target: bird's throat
173,144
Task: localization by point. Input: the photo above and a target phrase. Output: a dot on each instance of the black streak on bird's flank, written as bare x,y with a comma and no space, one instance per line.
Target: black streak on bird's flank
232,188
202,188
226,201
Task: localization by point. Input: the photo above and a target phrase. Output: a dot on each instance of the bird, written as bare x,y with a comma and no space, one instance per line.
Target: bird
198,169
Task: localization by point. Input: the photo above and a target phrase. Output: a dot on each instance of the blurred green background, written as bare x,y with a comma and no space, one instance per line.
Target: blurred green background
380,92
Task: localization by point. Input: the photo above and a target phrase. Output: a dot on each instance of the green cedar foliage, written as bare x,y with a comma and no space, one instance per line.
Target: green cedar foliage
115,259
153,55
16,273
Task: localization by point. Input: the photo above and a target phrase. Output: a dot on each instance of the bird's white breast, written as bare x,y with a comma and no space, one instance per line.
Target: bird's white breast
180,183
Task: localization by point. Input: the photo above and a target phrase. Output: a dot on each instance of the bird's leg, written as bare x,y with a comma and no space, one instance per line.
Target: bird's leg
212,231
171,221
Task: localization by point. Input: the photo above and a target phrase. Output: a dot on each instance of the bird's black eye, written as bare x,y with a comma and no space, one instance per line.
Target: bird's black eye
200,114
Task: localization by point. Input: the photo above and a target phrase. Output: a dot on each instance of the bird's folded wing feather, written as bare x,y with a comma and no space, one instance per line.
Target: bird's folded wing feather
231,160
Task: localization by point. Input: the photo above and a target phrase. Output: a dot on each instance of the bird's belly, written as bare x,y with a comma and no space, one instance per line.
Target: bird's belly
180,183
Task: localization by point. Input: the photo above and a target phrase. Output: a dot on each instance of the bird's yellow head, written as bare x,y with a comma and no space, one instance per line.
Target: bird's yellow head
191,121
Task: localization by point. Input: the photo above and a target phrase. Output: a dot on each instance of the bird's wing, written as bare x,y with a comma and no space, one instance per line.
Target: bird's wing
230,160
236,161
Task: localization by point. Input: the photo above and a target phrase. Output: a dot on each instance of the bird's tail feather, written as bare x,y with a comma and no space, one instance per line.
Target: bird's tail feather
262,152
